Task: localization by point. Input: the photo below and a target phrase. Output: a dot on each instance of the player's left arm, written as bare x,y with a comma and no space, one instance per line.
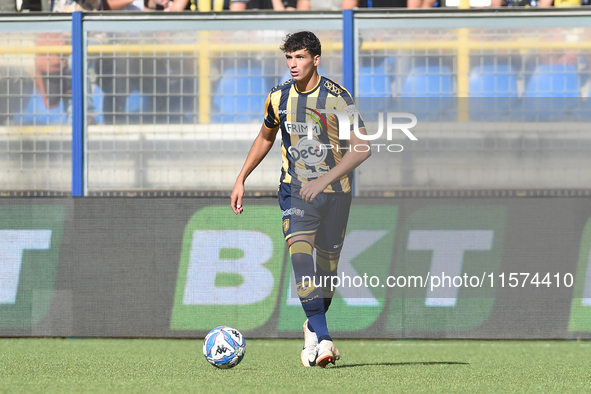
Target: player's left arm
348,163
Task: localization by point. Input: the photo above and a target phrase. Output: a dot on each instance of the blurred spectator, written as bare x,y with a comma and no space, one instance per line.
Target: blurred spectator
348,4
96,5
123,5
421,3
234,5
321,5
52,77
53,73
52,80
30,5
197,5
277,5
536,3
23,5
517,3
76,5
560,3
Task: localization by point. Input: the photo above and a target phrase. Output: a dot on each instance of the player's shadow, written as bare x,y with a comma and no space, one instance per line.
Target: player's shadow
402,364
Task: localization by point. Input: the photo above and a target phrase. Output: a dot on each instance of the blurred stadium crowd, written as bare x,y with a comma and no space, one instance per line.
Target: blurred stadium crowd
243,5
146,88
161,98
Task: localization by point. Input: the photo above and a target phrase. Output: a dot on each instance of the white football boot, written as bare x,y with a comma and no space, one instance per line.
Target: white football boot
326,352
308,355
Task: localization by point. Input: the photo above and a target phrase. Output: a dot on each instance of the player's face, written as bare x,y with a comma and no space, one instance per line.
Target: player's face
301,64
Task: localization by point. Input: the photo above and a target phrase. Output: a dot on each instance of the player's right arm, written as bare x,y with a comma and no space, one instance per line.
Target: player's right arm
259,149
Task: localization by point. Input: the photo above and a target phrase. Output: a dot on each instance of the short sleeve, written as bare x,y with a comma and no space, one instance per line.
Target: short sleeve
346,104
271,118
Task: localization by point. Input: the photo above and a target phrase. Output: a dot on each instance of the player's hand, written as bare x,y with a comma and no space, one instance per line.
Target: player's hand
311,189
236,198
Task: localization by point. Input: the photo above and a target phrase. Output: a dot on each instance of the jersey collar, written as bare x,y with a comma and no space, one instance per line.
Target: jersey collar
308,91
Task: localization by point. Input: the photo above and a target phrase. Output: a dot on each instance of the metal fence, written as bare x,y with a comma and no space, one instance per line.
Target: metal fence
502,102
35,92
173,102
181,107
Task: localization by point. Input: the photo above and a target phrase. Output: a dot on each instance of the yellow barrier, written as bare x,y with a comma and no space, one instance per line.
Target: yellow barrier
204,85
463,73
147,49
461,45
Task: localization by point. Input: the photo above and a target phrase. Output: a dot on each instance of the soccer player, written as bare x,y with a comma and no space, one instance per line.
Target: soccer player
315,184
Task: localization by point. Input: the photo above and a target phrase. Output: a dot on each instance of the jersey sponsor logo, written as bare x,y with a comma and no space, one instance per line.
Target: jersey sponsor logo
311,152
301,128
286,111
333,88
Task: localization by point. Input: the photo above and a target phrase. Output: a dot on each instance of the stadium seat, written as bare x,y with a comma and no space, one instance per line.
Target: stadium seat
374,82
35,112
98,99
493,92
551,92
135,105
428,92
374,86
240,96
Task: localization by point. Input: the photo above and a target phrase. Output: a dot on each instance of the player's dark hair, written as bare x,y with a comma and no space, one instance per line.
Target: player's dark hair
302,40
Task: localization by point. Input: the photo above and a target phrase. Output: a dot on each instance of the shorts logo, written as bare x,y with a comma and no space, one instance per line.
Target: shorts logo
285,226
293,211
333,88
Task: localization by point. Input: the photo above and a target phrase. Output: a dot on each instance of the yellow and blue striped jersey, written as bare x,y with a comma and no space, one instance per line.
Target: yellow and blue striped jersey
296,112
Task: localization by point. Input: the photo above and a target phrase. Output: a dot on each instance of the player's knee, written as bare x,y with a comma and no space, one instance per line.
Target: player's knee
300,246
302,262
328,262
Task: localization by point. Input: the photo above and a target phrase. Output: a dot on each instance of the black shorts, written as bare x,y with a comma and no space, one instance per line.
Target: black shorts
326,216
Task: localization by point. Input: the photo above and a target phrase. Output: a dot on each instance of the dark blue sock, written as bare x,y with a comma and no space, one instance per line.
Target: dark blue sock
319,322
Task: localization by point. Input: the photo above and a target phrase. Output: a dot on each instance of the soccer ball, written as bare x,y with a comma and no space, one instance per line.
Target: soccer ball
224,347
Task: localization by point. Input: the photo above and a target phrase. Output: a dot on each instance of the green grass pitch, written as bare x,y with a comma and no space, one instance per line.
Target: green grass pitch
167,365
